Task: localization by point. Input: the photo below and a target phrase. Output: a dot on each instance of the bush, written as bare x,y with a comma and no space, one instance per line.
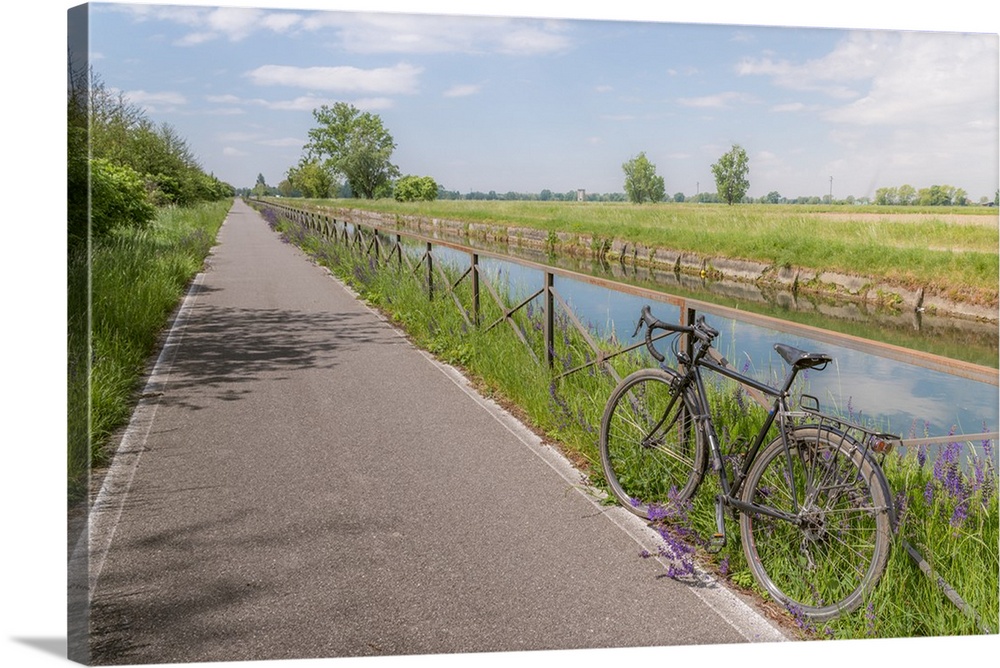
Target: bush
117,198
413,188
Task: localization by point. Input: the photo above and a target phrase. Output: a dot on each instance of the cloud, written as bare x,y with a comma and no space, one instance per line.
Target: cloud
717,101
463,90
230,23
401,78
412,34
909,107
164,101
231,152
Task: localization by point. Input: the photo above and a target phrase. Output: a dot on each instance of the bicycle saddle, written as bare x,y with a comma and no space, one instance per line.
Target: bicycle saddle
800,359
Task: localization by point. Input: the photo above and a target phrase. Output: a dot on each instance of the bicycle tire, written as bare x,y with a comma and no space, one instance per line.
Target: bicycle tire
823,564
651,460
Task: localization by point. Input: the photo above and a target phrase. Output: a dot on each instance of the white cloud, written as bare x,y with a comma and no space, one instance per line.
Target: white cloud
463,90
231,152
401,78
231,23
403,33
717,101
282,142
165,101
789,107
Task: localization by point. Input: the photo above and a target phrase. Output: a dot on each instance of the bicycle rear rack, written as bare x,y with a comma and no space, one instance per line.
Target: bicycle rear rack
872,441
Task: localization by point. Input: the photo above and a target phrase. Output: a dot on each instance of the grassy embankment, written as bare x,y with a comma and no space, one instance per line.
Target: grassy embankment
948,507
136,279
952,252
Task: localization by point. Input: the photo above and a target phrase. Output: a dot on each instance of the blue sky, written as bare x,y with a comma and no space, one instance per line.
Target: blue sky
505,103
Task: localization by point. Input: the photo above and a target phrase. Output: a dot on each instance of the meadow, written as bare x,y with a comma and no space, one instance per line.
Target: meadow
951,251
947,502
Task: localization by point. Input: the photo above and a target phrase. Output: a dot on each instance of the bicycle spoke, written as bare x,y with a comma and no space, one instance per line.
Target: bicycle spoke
649,446
838,542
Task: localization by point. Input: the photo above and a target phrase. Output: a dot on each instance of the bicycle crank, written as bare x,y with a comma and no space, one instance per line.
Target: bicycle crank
718,540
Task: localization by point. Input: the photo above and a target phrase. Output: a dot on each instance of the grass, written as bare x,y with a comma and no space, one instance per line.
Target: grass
948,507
950,251
135,279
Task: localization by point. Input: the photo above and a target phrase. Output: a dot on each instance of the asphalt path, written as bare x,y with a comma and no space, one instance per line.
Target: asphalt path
300,481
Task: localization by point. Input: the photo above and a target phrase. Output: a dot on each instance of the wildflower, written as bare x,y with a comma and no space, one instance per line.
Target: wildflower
870,619
921,455
929,492
800,619
961,513
724,566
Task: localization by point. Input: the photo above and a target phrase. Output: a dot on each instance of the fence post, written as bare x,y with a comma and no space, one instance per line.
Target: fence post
430,273
475,289
549,316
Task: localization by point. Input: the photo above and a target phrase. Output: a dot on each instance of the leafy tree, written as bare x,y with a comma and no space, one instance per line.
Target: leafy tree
773,197
312,179
355,145
906,194
413,188
641,182
731,175
679,197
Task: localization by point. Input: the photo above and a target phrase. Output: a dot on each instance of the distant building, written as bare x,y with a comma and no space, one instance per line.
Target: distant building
581,195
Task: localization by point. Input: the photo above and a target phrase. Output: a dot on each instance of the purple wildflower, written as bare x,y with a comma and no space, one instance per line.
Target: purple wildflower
961,513
929,492
870,619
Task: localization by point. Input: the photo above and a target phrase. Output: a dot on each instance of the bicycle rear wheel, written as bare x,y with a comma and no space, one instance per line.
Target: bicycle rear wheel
651,449
823,561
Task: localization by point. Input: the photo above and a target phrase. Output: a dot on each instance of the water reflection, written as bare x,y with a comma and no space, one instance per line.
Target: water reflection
903,398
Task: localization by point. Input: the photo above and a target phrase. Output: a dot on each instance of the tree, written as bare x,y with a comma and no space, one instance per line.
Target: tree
312,179
731,175
641,182
355,145
413,188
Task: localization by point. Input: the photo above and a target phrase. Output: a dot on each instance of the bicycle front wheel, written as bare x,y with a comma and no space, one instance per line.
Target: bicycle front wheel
831,550
651,450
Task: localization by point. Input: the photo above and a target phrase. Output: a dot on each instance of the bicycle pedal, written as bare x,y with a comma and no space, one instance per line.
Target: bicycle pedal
716,543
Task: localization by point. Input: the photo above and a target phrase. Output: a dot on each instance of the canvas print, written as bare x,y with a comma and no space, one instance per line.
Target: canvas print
439,335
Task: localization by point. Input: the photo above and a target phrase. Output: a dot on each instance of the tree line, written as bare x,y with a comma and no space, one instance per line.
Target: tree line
121,165
349,154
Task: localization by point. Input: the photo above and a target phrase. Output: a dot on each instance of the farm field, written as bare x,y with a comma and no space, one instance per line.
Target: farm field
952,252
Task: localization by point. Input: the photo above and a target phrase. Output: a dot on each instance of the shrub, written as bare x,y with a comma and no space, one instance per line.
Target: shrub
117,198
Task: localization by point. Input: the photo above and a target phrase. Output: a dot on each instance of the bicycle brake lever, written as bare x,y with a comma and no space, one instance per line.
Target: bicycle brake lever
638,326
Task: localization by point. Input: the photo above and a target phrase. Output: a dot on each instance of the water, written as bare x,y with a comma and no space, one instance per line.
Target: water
893,396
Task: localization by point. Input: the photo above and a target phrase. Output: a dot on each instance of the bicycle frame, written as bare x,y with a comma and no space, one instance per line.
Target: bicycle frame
779,410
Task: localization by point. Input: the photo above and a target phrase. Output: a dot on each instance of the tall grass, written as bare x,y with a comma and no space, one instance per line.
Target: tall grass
948,510
120,299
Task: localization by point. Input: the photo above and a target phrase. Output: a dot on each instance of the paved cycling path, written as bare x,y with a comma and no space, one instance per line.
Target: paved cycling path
299,481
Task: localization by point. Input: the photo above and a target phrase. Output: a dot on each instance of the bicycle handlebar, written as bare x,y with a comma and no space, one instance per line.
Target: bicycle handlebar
700,330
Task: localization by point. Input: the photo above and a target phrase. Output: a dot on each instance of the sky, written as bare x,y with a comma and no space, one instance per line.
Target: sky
559,101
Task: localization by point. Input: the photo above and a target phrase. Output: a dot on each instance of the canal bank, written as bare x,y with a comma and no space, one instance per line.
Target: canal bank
708,268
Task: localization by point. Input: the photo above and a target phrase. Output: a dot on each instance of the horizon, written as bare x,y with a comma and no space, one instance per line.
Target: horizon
522,105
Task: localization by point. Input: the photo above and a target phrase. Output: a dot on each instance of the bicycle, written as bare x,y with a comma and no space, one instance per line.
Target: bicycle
814,508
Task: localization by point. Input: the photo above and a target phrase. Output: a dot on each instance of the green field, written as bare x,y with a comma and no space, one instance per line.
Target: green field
952,251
